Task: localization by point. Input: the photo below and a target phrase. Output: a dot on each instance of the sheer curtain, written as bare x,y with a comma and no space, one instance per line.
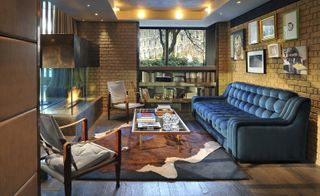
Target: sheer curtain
55,21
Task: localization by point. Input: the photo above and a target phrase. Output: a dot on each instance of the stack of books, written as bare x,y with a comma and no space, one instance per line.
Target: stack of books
147,120
144,117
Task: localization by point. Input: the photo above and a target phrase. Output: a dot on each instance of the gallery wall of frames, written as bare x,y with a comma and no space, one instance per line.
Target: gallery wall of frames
265,30
281,49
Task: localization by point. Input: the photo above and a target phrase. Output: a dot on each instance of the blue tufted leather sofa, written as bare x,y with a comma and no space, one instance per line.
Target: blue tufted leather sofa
256,123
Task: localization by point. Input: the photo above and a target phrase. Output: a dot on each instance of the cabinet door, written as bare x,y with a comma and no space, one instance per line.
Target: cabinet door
18,18
18,77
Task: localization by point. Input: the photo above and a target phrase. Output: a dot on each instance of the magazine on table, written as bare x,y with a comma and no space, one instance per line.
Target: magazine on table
149,125
144,117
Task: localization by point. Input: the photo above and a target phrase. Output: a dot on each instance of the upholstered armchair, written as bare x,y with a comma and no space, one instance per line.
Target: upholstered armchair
67,161
118,98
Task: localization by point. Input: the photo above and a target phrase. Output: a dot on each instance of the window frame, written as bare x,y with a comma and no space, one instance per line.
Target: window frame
167,40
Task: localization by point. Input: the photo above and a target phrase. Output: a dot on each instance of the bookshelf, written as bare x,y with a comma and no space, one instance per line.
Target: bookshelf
176,85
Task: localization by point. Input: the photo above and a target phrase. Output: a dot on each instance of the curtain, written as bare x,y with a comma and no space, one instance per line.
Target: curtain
55,21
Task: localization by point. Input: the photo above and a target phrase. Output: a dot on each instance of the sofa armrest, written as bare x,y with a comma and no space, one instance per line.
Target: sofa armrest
237,122
265,139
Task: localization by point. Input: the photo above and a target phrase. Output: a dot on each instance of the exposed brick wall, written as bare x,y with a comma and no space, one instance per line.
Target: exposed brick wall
307,86
117,45
224,71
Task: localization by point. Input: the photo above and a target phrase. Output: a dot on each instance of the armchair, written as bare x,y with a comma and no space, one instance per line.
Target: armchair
118,98
66,161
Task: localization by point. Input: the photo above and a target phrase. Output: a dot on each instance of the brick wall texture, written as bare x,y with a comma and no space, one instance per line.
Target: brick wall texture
305,85
224,71
116,43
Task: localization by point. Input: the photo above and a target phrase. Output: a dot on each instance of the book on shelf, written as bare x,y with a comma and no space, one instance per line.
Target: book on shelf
205,78
149,125
188,77
199,77
209,77
164,107
146,117
145,77
193,76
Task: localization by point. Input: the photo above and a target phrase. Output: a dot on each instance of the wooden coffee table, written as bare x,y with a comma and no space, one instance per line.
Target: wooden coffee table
156,131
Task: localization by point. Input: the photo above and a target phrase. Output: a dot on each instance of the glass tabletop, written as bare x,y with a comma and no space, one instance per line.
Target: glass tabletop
181,129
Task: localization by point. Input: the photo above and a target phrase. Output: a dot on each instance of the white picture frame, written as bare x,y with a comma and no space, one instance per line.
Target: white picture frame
295,60
256,62
238,45
253,32
291,25
274,50
231,47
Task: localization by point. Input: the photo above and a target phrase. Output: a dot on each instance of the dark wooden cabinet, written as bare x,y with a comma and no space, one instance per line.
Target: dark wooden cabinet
18,18
19,148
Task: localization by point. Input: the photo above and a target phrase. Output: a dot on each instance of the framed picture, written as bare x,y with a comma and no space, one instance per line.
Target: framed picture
274,50
291,25
268,30
256,62
238,45
295,60
253,34
231,46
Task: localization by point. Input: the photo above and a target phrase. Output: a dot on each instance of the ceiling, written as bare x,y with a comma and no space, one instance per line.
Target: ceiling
162,4
162,13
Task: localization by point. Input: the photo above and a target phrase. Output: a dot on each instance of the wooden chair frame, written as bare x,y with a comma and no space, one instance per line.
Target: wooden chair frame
111,104
67,156
126,102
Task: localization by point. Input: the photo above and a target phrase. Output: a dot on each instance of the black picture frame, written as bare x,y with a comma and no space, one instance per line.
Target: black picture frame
258,57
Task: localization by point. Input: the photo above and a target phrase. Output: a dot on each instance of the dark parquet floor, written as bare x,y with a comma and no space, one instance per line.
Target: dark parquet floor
265,179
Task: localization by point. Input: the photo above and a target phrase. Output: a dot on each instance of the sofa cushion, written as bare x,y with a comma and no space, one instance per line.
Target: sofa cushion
219,120
204,109
218,113
262,102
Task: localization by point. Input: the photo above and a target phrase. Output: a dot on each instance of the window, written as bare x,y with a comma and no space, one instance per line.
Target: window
173,47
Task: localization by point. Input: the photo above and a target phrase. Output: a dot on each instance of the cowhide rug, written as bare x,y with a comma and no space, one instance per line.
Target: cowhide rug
195,157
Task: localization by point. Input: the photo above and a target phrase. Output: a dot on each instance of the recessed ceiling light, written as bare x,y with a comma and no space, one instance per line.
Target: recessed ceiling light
238,2
141,14
208,10
116,9
96,14
179,15
88,5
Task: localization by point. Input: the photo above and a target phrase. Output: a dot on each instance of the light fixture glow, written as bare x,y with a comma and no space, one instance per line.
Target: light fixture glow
101,20
96,14
208,10
116,9
141,14
238,2
88,5
179,14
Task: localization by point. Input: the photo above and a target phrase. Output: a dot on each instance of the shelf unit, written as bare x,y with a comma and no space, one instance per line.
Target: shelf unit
182,83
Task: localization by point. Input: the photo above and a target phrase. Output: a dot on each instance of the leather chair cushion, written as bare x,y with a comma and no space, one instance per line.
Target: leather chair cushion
85,155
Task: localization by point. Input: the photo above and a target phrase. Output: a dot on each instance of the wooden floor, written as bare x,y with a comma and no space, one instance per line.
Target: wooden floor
265,179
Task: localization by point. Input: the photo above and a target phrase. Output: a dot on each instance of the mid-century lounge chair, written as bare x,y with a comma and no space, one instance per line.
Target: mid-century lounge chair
118,98
66,161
